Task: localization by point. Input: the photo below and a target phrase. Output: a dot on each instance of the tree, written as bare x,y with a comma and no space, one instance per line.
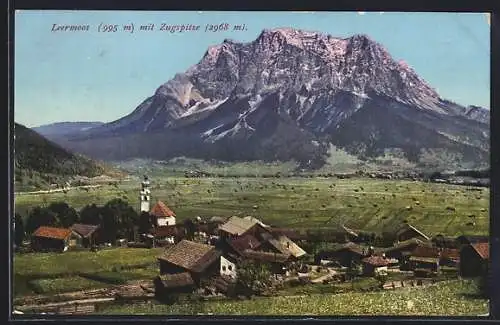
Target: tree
66,215
18,230
252,278
119,218
41,217
354,270
145,222
91,215
190,228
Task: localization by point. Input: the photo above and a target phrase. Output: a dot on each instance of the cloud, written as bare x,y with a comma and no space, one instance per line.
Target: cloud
361,13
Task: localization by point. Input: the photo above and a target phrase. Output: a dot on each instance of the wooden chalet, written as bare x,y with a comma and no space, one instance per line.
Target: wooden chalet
54,239
88,233
345,255
374,264
199,260
162,234
424,266
474,259
162,215
240,244
409,232
237,226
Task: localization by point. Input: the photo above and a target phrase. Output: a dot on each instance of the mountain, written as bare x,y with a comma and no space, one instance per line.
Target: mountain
39,162
289,94
64,128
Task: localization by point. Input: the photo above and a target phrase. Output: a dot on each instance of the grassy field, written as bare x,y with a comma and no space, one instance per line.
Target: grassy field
444,299
54,273
362,203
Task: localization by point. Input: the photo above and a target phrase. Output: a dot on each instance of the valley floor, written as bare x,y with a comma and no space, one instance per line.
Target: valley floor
362,203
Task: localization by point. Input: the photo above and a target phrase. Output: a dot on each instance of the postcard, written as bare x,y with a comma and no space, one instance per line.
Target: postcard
251,163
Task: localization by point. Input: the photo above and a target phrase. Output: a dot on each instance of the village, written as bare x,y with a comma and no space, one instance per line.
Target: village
242,257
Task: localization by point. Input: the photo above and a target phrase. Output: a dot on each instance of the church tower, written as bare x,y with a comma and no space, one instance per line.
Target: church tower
145,197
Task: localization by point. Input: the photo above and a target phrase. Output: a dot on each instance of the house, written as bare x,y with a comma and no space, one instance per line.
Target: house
293,234
376,264
474,259
409,232
88,233
228,264
225,285
345,255
467,240
162,215
236,227
199,260
277,263
54,239
167,284
284,245
445,242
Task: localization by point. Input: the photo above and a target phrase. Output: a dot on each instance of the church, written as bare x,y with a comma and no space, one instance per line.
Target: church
161,213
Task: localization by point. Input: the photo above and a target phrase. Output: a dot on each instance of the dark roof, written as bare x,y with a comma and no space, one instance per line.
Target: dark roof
424,259
237,225
161,210
483,249
241,243
191,256
473,239
378,260
425,251
84,230
351,247
412,228
52,232
176,280
265,256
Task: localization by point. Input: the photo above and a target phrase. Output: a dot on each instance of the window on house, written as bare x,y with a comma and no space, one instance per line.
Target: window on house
224,268
230,267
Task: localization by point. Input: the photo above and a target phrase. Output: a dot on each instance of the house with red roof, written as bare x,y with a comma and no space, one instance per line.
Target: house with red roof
162,215
474,259
54,239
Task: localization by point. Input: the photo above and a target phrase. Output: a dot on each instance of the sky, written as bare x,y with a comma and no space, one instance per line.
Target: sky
102,76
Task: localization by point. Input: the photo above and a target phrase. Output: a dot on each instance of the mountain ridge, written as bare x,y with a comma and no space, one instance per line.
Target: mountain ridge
294,82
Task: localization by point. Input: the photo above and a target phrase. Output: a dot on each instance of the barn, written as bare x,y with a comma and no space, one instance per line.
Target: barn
88,233
54,239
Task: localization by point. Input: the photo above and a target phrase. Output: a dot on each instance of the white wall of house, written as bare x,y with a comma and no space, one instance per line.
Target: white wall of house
166,221
381,270
227,268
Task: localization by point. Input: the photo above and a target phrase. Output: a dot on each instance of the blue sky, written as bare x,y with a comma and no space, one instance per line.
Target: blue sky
92,76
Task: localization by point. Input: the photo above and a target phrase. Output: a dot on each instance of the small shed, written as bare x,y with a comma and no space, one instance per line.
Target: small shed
278,263
284,245
167,285
474,260
88,233
237,226
54,239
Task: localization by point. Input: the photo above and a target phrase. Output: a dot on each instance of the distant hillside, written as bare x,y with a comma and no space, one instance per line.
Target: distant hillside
40,162
64,128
